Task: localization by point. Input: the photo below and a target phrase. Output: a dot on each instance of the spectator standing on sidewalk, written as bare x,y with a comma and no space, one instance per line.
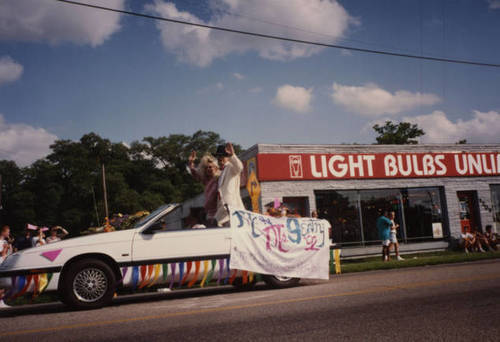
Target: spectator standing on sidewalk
56,234
384,225
5,243
24,241
394,237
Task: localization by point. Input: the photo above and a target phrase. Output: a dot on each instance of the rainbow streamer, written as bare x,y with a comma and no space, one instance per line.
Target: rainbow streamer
245,277
156,276
26,284
172,267
221,268
164,272
135,277
205,273
233,276
228,271
36,278
189,265
144,276
181,273
42,282
212,270
196,271
250,277
124,272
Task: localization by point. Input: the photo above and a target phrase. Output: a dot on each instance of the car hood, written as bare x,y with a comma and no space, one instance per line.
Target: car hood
89,240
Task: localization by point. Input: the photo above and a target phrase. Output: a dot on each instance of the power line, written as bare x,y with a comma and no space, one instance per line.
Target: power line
292,40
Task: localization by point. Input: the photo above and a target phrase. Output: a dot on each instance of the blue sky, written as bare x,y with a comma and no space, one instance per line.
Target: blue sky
66,71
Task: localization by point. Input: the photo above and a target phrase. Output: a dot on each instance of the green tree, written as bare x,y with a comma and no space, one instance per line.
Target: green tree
400,134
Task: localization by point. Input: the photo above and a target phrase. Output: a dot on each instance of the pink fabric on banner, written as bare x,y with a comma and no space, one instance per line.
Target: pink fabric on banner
31,226
44,229
52,255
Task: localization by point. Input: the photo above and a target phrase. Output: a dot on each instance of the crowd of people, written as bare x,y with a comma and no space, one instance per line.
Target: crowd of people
33,236
475,241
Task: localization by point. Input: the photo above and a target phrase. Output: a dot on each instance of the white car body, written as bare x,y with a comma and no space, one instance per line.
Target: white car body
177,258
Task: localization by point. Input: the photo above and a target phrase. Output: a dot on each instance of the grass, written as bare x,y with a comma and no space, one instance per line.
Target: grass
412,260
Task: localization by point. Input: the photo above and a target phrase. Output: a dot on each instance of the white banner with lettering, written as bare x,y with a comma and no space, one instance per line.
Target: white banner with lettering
287,247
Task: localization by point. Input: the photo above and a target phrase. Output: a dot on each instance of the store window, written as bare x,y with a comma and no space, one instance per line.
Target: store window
341,208
297,205
353,213
495,198
423,212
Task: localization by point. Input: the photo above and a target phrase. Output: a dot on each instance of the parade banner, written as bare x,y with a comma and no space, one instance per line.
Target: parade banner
287,247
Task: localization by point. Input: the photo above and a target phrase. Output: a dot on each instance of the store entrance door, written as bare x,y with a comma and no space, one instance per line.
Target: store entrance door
470,219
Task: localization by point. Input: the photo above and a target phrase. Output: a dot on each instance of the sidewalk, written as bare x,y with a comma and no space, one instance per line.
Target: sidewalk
411,260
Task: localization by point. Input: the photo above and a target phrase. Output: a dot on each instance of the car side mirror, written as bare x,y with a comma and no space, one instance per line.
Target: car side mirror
155,227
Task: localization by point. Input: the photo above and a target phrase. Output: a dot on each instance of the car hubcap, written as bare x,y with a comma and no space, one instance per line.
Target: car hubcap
90,285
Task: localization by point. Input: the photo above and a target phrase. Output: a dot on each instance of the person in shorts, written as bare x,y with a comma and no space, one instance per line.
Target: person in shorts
393,236
384,225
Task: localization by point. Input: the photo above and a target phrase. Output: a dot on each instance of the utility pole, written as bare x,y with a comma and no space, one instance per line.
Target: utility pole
105,192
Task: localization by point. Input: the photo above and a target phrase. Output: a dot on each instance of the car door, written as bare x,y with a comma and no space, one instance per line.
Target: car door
181,244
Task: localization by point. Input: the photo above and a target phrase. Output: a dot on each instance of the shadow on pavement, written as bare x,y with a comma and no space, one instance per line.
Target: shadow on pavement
126,299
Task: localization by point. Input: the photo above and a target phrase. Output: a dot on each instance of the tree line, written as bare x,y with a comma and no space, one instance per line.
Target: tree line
65,188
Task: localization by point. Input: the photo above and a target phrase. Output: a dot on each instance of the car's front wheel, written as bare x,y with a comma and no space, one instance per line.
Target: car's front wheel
280,282
88,284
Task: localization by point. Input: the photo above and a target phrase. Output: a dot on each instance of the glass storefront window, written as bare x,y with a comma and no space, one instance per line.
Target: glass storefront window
353,213
422,208
341,209
495,198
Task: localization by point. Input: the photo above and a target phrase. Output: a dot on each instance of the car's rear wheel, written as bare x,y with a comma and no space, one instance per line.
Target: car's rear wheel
88,284
279,282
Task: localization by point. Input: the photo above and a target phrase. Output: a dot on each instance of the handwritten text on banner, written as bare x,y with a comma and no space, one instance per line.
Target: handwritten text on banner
287,247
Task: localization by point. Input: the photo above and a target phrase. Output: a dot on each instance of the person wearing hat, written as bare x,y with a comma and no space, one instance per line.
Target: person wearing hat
229,183
56,234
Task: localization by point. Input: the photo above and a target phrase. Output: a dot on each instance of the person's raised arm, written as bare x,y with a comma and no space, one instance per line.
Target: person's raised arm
237,165
191,167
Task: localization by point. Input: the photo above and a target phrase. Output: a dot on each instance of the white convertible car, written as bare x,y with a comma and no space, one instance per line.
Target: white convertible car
87,271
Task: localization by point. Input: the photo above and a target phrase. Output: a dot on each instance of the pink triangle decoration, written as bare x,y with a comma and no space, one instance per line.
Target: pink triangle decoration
52,255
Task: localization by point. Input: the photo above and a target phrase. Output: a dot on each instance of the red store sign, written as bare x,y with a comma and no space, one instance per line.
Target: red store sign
305,166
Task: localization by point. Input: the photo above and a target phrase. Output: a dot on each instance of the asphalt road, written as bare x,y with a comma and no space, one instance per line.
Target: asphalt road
459,302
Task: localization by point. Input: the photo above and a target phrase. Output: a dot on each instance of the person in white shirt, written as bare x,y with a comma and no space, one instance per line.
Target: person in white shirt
39,239
56,234
5,243
393,236
229,183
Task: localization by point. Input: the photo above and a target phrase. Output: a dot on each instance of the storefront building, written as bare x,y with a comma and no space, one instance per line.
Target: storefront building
436,191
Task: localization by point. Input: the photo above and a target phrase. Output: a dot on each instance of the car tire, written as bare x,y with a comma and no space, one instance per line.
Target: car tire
88,284
280,282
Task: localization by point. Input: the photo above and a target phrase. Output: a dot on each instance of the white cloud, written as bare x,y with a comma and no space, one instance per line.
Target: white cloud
55,22
23,143
10,70
494,4
324,20
297,99
255,90
483,127
371,100
238,76
219,85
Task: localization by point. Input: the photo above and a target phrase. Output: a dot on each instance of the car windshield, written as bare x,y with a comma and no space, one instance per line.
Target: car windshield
148,218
